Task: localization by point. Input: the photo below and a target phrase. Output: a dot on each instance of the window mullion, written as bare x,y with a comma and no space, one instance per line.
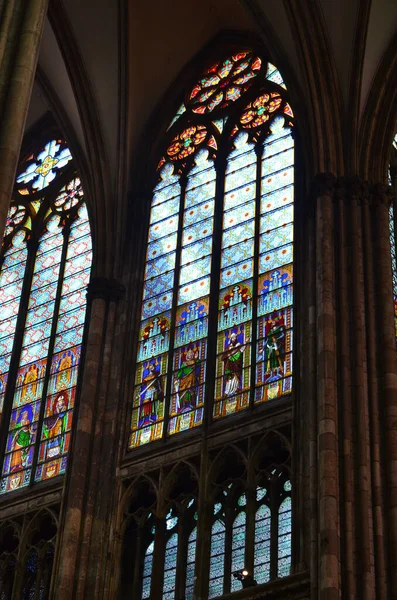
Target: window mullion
178,253
33,246
259,152
160,542
50,352
220,167
250,526
138,557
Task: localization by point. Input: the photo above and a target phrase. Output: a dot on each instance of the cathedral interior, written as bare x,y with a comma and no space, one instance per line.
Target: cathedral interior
198,291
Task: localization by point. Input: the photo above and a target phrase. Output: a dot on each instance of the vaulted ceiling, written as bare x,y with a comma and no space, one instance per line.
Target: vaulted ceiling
113,62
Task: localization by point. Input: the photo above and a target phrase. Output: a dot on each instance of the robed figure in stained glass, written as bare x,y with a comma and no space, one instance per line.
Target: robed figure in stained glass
274,349
22,439
151,394
56,425
187,380
233,365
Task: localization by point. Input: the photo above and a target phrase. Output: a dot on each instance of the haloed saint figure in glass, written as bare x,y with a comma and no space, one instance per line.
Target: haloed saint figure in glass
151,394
187,380
233,365
22,439
274,349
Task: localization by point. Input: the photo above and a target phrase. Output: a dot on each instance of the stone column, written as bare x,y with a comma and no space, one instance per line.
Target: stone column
387,368
327,401
21,28
88,460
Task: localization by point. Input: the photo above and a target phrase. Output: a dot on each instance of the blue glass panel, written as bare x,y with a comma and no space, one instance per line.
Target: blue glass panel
278,162
157,305
190,565
284,539
164,210
278,143
158,285
236,273
235,179
195,270
281,197
196,251
161,247
237,253
147,572
277,218
194,290
276,258
198,213
160,265
200,194
41,313
277,180
7,328
262,544
277,237
218,533
238,548
239,215
167,191
242,232
197,232
163,228
170,567
240,196
76,282
68,338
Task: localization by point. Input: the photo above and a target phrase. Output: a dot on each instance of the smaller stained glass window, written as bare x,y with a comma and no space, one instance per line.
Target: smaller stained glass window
218,537
238,548
284,538
190,565
171,552
147,571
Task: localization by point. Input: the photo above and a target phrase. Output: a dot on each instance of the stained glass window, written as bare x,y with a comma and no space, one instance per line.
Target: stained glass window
392,224
284,538
262,544
218,538
147,571
238,548
221,228
190,565
45,268
171,552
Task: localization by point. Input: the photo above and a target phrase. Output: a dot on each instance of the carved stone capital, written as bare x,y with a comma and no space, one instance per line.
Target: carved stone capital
381,195
323,185
109,290
352,190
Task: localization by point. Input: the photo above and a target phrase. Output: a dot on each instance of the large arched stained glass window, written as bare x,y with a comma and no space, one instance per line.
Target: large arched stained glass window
45,266
392,223
217,310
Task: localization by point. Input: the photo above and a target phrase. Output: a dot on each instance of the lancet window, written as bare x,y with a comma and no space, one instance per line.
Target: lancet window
392,223
216,318
201,533
45,264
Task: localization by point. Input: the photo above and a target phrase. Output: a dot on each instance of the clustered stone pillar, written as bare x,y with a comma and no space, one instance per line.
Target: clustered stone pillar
356,392
21,27
90,485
